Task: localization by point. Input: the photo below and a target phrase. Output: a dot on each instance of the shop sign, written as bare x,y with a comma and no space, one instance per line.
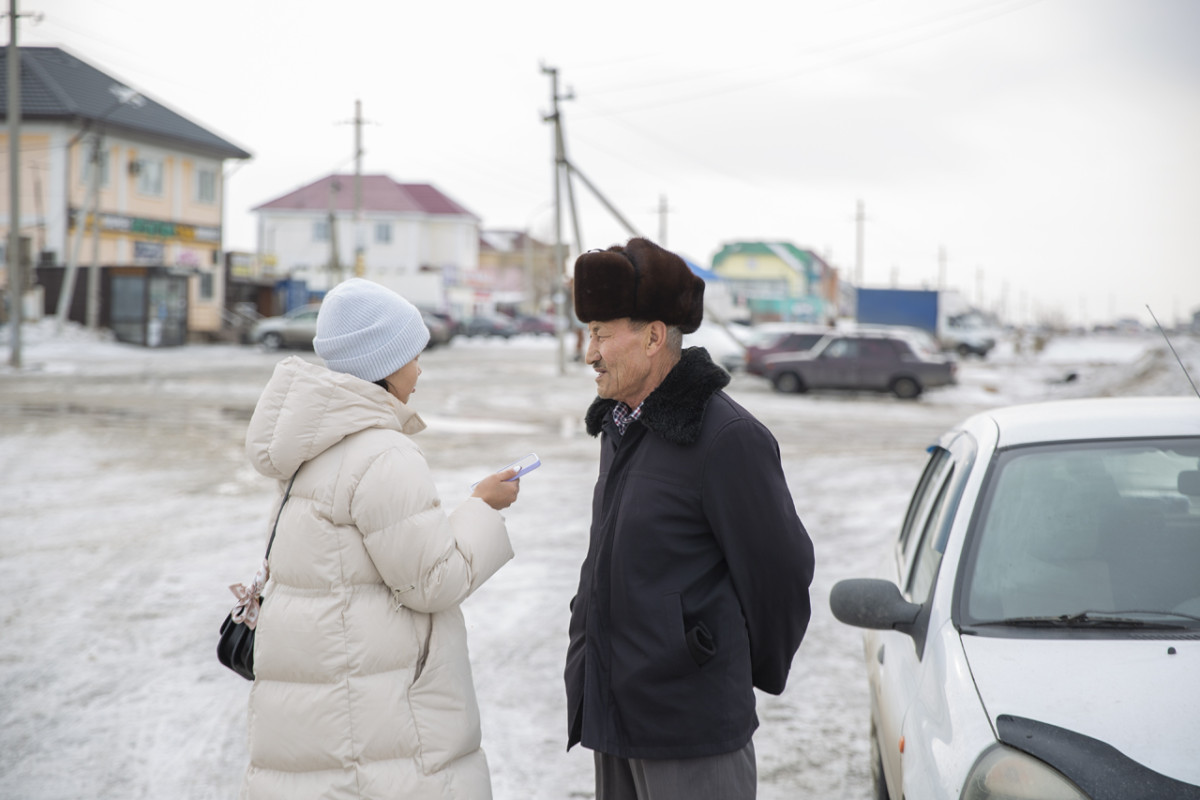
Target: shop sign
148,252
162,229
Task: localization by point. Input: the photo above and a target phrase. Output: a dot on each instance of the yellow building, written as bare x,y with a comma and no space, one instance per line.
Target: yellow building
94,150
778,281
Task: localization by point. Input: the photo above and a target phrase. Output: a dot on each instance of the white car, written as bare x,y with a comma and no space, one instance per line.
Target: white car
722,346
1038,633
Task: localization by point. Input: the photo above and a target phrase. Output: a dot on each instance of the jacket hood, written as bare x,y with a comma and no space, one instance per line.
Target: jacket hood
675,409
305,409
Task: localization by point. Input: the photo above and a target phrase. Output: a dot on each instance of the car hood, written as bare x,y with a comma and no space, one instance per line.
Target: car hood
1134,694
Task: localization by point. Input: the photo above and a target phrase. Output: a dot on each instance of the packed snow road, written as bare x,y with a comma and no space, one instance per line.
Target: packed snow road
128,507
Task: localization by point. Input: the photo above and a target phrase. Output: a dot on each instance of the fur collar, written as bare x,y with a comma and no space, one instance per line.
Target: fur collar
675,409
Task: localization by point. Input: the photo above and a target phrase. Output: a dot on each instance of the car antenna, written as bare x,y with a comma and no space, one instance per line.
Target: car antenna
1177,358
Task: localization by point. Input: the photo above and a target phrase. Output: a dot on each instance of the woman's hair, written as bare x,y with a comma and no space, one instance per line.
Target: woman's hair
383,384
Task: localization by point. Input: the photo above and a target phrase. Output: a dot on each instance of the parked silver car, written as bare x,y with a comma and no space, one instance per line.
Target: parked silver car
296,328
1037,630
878,361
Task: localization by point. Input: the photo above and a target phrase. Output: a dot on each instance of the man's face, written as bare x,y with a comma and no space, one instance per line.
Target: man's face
617,351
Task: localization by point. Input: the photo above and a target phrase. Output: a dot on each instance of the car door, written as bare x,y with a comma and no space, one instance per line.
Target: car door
876,363
301,328
833,366
893,657
798,342
904,662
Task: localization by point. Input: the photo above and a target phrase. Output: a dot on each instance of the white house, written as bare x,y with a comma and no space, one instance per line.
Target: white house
411,236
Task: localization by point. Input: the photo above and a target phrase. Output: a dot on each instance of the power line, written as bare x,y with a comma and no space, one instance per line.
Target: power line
849,59
812,51
674,148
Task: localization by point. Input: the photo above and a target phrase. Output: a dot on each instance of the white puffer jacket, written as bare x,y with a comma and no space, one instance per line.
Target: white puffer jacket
363,686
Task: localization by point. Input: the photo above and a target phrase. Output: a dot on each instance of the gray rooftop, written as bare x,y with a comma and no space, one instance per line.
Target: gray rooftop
56,85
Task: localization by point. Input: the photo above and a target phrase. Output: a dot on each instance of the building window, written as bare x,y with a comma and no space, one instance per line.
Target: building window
87,168
150,176
383,233
206,186
206,286
321,230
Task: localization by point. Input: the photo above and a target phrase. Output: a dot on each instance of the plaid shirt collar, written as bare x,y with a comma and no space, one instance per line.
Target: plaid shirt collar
622,415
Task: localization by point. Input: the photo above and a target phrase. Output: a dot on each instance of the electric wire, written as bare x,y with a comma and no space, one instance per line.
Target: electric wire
842,61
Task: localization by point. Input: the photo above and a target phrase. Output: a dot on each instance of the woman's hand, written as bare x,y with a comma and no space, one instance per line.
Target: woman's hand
497,491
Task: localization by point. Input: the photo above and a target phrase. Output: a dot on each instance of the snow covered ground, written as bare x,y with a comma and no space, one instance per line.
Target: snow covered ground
127,507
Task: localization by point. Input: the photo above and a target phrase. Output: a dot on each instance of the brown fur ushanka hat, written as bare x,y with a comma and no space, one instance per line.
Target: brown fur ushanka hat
639,280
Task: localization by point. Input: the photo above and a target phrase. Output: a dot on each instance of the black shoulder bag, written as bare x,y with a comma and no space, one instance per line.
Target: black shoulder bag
235,648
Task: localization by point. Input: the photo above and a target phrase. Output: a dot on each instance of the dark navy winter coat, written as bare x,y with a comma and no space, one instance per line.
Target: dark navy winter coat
695,585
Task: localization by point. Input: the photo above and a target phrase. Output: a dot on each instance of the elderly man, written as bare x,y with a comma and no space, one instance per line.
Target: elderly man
694,590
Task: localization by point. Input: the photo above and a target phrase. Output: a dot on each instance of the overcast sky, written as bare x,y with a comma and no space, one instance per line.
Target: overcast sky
1050,148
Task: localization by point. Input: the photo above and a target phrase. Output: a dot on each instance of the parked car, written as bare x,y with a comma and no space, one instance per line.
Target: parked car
452,325
489,325
921,340
722,346
780,337
296,328
968,340
1037,631
541,325
439,330
876,361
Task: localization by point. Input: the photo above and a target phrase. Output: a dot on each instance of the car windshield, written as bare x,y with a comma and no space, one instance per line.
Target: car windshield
773,336
1100,535
761,338
923,343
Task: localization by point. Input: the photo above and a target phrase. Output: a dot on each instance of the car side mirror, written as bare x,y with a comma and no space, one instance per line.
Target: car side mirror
873,603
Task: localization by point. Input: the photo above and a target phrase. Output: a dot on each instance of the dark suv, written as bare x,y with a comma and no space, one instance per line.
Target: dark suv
876,361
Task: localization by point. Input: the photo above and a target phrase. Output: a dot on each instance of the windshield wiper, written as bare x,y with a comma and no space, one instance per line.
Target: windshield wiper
1084,619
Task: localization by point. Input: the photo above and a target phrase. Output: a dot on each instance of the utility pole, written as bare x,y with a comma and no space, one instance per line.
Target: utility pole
560,170
565,170
663,210
527,263
125,96
15,289
360,258
335,259
89,210
860,219
93,278
360,248
941,281
626,224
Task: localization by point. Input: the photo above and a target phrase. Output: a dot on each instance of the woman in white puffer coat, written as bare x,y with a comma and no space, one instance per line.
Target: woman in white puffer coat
362,683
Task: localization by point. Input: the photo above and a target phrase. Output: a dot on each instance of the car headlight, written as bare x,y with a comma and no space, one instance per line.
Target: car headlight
1003,773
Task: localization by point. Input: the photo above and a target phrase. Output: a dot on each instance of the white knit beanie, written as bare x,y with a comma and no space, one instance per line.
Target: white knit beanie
367,330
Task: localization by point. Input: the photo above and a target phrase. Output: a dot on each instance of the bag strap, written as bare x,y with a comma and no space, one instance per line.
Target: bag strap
286,494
